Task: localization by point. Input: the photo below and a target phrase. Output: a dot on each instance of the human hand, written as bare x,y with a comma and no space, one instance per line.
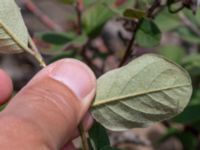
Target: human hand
45,114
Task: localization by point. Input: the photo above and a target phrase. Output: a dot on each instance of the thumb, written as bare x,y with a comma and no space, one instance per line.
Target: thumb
51,105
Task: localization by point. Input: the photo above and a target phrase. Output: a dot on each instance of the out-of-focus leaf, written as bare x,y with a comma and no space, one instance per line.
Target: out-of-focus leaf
13,32
167,21
195,100
101,55
134,13
190,15
87,3
109,148
56,38
173,52
147,90
188,140
192,64
186,35
98,136
79,40
190,115
197,16
52,50
95,17
67,54
75,41
120,7
148,34
69,2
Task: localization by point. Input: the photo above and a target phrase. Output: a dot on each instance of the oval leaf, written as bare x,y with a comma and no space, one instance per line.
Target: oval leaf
13,32
147,90
56,38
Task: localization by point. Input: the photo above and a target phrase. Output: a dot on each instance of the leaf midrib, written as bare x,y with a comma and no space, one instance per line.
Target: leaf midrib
106,101
14,38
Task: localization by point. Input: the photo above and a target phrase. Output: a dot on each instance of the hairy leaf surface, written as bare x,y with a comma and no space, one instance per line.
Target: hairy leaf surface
13,32
147,90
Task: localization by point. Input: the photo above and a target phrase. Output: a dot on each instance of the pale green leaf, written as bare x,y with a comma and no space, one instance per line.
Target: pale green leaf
147,90
13,32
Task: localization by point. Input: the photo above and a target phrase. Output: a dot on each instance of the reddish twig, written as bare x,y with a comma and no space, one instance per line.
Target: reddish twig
41,16
79,8
131,43
150,13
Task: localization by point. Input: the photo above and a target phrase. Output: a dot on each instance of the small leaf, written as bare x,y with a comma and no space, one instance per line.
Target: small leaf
134,13
79,40
95,17
148,35
13,32
147,90
98,136
67,54
56,49
56,38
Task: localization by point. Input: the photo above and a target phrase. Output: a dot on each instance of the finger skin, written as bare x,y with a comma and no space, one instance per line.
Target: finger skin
6,87
69,146
48,109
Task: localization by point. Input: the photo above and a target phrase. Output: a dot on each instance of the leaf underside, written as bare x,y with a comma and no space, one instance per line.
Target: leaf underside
13,32
147,90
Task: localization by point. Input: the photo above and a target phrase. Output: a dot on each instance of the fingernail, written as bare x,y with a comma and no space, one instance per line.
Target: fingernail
75,75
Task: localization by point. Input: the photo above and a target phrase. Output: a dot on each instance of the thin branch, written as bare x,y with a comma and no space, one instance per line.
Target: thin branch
41,16
150,13
154,6
79,9
83,137
88,61
131,43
